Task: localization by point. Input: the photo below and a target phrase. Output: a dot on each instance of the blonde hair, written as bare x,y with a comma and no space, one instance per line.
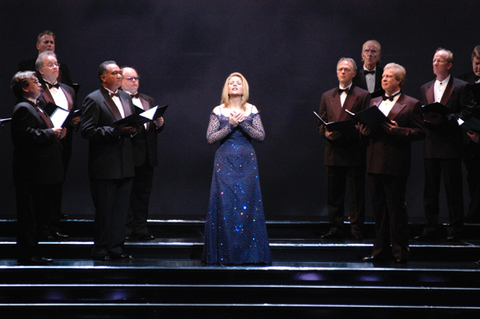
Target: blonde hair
226,98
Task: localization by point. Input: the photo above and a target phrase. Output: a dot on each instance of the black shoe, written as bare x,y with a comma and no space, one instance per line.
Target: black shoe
401,260
122,257
453,239
376,259
101,258
60,235
357,235
330,235
37,260
146,237
425,237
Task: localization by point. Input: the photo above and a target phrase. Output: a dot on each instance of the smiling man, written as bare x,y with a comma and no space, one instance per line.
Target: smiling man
344,155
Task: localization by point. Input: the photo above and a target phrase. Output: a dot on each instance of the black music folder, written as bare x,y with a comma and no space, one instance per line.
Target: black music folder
472,124
436,108
59,116
372,117
347,128
141,117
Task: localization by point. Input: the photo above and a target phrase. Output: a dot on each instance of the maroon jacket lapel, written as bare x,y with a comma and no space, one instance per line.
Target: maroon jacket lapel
448,91
397,108
335,104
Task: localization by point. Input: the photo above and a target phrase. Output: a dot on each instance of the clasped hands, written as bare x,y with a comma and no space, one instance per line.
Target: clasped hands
236,118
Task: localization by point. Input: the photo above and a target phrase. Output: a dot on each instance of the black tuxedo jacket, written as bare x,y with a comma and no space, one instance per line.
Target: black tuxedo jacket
444,136
389,154
110,154
342,151
46,98
359,79
145,142
37,154
63,76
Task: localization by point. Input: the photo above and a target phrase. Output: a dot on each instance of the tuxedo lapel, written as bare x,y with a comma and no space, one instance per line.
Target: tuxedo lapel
429,93
397,108
126,107
111,105
448,92
348,105
69,98
335,104
145,104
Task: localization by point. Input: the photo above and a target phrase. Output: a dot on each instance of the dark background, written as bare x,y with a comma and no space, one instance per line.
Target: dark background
185,49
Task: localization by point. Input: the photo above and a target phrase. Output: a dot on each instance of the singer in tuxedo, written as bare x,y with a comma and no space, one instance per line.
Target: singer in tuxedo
369,76
63,96
344,155
37,166
471,158
443,147
110,161
46,42
388,165
145,157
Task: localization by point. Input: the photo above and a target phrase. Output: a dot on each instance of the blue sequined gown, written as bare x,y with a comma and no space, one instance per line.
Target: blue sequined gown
235,230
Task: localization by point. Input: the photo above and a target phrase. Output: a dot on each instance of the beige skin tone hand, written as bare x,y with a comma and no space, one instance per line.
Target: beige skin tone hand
364,129
159,122
474,136
127,130
390,128
236,118
60,132
333,135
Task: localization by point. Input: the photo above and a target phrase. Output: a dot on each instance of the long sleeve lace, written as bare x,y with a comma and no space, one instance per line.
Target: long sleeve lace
214,133
255,131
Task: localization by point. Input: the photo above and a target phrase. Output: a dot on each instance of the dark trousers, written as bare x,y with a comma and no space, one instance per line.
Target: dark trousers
451,172
390,213
139,201
340,179
35,205
111,201
472,164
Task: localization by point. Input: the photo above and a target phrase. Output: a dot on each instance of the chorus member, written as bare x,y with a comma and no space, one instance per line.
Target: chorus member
145,157
37,166
388,165
344,155
63,96
443,147
369,76
110,160
471,158
235,229
46,42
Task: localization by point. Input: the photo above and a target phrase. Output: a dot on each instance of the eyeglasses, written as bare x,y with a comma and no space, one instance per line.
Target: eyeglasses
131,78
51,65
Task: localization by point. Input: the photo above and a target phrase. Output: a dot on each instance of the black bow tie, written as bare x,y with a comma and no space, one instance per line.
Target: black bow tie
135,95
390,98
477,77
369,72
340,91
112,94
50,85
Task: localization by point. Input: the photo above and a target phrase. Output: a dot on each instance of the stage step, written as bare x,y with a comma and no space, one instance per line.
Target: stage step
155,289
309,278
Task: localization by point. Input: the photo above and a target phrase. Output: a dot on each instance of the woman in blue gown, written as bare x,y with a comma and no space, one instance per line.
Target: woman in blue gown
235,230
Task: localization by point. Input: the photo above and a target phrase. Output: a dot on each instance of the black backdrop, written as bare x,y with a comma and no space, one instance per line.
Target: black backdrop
184,50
